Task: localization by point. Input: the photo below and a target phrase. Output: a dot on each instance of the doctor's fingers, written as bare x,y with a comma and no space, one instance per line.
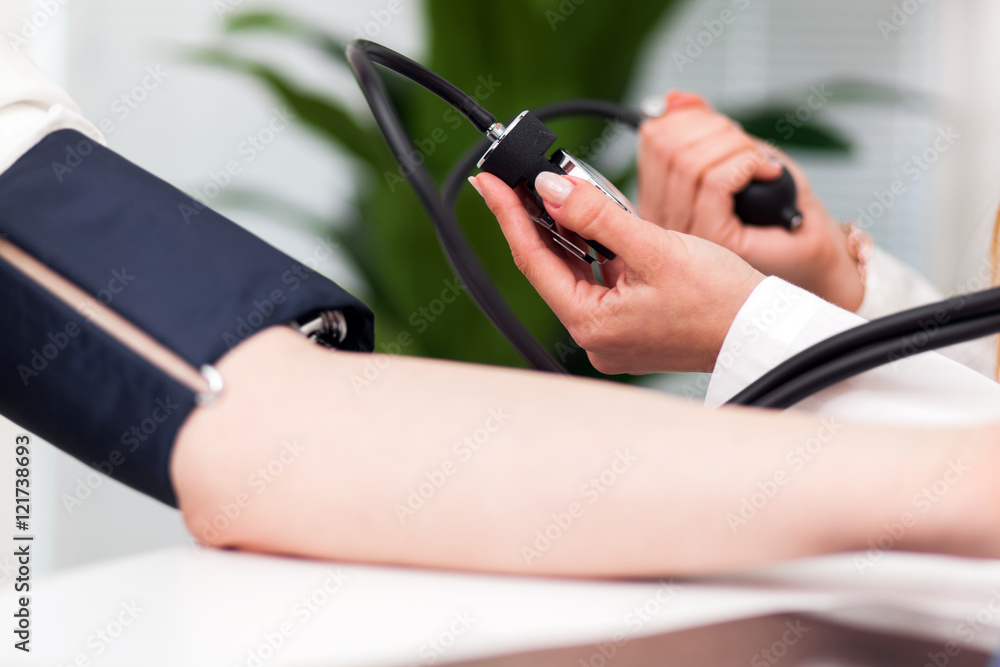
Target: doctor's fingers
694,165
582,208
660,140
551,271
712,215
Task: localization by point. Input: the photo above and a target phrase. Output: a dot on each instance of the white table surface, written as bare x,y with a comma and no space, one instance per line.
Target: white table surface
196,606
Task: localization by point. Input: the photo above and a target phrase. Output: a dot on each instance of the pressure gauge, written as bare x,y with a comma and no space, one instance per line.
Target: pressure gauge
574,166
518,154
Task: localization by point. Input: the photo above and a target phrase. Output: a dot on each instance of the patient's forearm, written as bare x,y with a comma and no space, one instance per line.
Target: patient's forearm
400,460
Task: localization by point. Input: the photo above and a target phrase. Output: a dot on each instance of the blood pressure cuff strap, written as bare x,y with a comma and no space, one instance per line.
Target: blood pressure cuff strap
191,279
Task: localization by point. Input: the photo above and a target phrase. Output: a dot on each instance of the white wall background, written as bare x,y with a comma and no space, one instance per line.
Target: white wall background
969,181
192,123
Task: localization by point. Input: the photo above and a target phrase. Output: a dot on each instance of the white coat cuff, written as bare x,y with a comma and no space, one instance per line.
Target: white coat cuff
778,321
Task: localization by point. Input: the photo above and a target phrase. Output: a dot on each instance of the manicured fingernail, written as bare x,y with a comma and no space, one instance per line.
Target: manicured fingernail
677,99
553,188
475,184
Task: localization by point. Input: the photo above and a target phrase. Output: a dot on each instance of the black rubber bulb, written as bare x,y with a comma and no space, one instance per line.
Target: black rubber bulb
770,204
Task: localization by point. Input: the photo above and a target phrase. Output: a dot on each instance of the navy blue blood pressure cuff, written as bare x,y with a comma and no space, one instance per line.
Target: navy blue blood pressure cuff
188,277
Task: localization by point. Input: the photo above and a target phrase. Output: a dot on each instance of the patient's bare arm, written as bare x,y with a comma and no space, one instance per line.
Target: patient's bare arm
458,466
401,460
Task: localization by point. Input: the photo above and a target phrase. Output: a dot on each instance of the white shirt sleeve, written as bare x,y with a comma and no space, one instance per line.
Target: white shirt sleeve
32,107
893,286
780,320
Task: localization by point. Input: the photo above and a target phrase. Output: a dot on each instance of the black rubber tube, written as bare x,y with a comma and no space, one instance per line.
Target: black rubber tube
460,254
907,323
865,347
873,356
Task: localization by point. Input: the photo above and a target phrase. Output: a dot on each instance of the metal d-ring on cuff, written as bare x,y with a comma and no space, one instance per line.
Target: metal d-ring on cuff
216,384
328,329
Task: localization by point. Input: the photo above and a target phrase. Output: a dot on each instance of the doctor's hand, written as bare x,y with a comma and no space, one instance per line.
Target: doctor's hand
693,160
669,298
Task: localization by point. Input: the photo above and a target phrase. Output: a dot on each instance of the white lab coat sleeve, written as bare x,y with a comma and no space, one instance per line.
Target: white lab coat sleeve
780,320
32,107
893,286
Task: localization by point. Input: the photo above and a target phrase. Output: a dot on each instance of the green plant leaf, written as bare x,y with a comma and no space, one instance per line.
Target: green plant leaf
265,21
774,125
856,91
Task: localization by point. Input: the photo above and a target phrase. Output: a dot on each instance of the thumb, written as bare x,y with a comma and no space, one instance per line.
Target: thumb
582,208
772,161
